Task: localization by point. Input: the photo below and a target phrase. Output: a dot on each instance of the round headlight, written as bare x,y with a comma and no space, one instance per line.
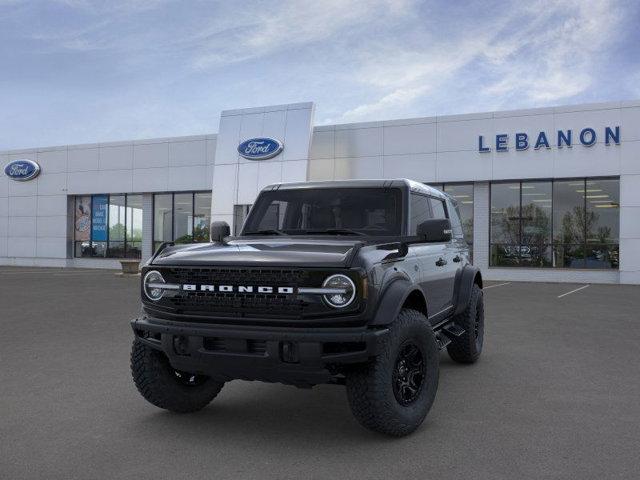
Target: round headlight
150,284
344,291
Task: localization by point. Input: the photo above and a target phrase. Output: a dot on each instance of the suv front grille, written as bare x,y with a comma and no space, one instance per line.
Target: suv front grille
243,304
239,276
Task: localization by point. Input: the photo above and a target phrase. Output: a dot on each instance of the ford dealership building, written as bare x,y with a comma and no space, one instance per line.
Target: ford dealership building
549,194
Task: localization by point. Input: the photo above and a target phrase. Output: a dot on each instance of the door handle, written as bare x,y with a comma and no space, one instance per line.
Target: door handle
441,262
456,258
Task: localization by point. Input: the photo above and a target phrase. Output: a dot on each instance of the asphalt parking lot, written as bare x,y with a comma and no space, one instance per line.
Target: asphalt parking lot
555,395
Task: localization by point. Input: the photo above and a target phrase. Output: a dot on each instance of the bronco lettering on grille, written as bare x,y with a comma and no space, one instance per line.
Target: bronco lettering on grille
190,287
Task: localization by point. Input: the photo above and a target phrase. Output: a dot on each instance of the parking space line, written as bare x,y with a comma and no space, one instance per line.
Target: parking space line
496,285
573,291
56,273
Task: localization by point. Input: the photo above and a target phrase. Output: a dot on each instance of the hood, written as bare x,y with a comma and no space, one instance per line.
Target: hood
263,252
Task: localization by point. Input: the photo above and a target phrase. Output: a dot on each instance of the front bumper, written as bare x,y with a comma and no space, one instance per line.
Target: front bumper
272,354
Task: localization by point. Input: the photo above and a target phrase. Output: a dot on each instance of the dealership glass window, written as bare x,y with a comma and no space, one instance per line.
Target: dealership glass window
563,224
82,226
603,223
201,216
162,219
535,228
182,217
505,223
134,226
108,226
568,223
117,219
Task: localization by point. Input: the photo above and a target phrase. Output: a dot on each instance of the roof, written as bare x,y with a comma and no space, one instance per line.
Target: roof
373,183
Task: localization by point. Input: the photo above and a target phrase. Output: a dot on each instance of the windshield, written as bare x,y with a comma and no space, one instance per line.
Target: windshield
327,211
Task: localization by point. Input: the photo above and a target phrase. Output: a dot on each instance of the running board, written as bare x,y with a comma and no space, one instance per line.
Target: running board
442,340
453,330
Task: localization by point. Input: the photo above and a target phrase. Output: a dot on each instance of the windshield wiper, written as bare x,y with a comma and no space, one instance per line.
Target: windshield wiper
336,231
266,232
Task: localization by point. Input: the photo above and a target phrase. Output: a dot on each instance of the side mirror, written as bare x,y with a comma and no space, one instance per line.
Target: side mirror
219,230
435,230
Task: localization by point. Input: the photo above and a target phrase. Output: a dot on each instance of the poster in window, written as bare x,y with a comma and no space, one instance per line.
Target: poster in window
83,219
99,214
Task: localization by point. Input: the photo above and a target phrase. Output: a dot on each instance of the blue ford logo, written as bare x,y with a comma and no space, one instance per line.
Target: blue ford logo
260,148
22,170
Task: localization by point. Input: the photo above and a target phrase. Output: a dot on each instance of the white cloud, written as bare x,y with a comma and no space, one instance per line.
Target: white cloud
397,98
543,53
255,33
162,67
554,63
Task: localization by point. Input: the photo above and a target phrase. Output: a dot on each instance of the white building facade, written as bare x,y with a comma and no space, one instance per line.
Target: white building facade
549,194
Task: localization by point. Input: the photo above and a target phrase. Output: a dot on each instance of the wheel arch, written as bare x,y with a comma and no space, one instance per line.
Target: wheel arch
467,278
398,295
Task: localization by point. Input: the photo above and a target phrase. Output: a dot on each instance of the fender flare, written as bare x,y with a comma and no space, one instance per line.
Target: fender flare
392,299
464,284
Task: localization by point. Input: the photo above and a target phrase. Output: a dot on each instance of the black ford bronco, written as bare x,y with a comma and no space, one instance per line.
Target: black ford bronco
355,283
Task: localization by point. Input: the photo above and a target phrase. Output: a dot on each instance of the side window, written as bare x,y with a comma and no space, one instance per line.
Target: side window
420,211
454,216
437,206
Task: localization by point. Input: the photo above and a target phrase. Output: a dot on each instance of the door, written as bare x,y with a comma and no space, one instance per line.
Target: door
434,275
447,262
430,257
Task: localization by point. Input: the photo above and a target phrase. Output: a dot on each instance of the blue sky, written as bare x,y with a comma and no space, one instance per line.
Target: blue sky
76,71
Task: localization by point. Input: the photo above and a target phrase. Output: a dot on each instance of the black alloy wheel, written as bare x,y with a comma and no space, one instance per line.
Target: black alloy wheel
408,373
189,379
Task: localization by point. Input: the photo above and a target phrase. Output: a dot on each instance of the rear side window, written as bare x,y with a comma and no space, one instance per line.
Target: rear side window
420,211
437,206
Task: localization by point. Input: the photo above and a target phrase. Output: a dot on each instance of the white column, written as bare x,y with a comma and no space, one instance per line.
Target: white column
236,180
630,229
481,215
147,226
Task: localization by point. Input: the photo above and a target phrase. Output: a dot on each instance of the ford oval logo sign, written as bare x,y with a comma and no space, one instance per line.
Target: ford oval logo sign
22,170
260,148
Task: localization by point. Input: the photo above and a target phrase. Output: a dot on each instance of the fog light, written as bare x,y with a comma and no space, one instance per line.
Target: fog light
181,345
289,352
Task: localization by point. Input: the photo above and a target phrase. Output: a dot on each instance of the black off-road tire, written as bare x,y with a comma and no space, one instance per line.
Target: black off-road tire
163,386
372,388
467,347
